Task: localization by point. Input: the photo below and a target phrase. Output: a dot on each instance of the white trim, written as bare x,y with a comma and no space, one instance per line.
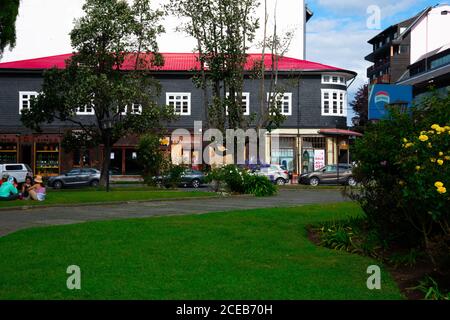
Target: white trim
341,103
85,113
246,96
179,94
29,94
287,97
341,80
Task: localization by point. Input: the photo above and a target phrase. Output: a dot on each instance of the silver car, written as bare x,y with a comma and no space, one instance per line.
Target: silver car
76,178
275,173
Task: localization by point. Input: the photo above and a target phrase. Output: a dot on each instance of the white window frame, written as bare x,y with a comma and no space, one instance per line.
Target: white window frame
287,97
29,94
175,94
341,110
138,111
340,79
86,113
246,96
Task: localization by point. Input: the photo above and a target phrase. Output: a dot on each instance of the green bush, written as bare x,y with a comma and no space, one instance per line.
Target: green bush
238,180
172,177
403,166
259,186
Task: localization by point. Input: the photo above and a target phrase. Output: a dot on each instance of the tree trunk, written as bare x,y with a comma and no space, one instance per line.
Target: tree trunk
106,160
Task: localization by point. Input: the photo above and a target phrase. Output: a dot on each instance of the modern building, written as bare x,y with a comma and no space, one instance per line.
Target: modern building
413,52
430,51
313,134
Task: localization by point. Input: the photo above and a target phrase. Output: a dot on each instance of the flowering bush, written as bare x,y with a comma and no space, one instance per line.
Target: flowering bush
404,171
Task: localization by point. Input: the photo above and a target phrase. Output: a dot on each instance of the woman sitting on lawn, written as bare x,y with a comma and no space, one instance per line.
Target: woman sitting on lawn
7,190
37,192
26,186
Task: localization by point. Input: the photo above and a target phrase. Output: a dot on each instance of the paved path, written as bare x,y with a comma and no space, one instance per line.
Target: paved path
14,220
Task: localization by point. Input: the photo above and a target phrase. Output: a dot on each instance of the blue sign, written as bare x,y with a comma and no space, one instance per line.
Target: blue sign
381,95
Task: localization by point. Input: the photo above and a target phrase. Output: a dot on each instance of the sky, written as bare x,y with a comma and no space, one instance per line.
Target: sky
336,35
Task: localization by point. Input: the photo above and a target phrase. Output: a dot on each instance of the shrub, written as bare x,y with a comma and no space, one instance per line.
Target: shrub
404,172
238,180
172,177
259,186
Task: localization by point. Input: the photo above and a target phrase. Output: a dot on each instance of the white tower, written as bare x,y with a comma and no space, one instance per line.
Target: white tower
291,15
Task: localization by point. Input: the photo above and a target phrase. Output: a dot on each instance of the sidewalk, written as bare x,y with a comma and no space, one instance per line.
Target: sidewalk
13,220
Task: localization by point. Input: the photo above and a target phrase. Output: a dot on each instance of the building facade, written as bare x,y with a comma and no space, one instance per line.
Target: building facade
314,103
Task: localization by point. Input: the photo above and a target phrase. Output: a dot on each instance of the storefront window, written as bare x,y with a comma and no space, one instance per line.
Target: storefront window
313,153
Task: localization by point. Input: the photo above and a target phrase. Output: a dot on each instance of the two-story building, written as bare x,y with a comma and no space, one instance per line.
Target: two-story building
314,133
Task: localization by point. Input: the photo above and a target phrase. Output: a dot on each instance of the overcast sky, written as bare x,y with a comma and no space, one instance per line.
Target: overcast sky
337,34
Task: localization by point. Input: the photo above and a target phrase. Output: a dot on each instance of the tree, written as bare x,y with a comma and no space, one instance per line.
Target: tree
360,106
152,158
9,9
223,30
109,40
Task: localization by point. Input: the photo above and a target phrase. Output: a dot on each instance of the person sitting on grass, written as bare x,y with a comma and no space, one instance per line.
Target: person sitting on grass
25,188
7,190
37,192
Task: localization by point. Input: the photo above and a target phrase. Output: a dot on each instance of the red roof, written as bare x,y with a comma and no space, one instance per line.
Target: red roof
173,62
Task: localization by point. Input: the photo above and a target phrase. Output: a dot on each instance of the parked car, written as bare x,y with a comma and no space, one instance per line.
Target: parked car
276,173
190,178
17,170
76,178
329,175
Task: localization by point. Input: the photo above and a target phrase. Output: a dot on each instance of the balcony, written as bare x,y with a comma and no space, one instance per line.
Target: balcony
384,79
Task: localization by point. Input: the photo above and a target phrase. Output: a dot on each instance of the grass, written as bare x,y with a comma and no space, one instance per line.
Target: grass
86,196
257,254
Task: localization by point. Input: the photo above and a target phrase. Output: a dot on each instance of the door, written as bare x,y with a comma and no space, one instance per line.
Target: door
329,175
72,177
85,176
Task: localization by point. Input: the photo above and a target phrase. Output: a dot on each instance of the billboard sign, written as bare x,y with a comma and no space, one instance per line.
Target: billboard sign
382,95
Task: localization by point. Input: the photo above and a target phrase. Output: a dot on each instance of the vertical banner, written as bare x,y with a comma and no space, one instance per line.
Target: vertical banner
319,159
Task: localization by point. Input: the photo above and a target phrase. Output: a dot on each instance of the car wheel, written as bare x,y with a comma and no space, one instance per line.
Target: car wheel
94,183
57,184
280,182
352,182
195,183
314,181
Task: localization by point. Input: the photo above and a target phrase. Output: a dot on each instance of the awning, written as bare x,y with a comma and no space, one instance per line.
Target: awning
340,132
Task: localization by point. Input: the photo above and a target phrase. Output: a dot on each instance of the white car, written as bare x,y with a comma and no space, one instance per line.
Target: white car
19,171
276,173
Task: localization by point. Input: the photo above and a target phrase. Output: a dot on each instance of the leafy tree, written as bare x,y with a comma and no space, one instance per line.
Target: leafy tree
9,9
360,106
152,158
110,36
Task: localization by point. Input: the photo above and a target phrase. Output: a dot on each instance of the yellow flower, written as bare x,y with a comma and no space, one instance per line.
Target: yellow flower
418,168
433,160
430,145
408,145
447,128
442,190
441,154
423,138
401,182
440,162
447,158
435,126
438,184
405,140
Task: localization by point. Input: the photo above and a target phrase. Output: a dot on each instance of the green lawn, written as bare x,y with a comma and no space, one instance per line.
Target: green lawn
258,254
85,196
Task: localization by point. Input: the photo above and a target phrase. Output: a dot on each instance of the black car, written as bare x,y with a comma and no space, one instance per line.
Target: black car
76,178
190,178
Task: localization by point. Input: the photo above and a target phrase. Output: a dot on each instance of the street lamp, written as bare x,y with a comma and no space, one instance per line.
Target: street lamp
107,125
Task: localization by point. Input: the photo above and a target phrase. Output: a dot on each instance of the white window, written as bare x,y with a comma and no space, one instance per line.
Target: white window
334,102
284,100
181,102
333,79
25,99
245,103
136,108
87,110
